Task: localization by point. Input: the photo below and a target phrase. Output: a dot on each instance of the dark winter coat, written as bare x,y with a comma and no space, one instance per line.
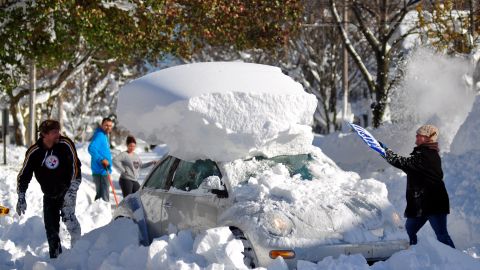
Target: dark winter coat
426,193
54,168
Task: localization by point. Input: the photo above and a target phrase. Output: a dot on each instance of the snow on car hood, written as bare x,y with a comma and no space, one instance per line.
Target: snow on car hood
334,207
219,110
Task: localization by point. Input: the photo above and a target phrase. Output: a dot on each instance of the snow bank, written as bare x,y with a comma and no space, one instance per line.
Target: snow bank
219,110
460,168
115,246
468,135
427,254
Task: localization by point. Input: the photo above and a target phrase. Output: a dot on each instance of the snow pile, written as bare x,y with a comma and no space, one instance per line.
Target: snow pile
468,135
460,168
115,246
427,254
334,207
219,110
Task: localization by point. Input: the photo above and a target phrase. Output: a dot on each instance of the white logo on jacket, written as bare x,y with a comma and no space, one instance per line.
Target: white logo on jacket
52,162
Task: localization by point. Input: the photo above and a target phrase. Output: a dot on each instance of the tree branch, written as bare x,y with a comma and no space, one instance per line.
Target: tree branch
371,39
351,50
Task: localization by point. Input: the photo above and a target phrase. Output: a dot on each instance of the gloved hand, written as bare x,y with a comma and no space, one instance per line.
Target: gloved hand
70,198
21,204
384,146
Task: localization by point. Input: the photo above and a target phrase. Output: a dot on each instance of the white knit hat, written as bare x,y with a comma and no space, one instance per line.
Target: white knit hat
429,131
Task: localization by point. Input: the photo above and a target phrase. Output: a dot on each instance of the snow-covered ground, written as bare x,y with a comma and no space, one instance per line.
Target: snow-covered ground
107,244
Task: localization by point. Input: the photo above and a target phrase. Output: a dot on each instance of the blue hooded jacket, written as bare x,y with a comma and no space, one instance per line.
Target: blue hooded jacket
99,149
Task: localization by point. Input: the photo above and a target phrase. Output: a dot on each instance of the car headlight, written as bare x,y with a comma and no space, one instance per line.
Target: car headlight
278,224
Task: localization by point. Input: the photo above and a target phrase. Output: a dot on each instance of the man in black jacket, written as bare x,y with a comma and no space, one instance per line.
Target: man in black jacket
427,197
53,159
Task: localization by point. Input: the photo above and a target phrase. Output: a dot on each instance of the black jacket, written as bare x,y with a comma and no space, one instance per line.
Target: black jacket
426,193
54,168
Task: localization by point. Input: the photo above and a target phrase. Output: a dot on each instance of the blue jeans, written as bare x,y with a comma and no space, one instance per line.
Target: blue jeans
101,186
439,226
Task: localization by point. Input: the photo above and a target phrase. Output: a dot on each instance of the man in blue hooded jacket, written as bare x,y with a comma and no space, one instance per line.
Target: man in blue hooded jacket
101,161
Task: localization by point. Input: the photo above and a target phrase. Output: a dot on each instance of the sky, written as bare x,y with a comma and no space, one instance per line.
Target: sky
343,163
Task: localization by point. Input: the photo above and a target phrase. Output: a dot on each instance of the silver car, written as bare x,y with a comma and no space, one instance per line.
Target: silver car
205,194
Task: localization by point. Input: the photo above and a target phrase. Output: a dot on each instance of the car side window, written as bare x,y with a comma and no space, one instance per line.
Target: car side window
189,175
158,178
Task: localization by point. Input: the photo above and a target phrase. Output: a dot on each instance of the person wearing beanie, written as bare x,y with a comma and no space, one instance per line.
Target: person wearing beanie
129,165
427,197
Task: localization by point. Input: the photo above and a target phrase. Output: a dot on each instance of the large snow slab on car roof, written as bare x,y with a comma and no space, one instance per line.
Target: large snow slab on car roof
219,110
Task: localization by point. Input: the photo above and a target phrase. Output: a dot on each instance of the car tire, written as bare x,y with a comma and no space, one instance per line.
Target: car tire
249,257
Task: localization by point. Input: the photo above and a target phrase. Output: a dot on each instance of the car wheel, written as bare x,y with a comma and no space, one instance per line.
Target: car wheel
249,257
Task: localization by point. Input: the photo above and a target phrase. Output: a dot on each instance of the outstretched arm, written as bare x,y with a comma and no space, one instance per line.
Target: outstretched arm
412,163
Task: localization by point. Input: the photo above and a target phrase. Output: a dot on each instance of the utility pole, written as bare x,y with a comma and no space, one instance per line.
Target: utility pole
345,65
33,89
5,134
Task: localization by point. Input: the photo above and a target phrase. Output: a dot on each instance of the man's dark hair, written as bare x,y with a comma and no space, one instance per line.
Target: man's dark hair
48,125
106,119
131,139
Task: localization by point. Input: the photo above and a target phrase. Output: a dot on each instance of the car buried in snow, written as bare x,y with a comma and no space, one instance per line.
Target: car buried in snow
262,178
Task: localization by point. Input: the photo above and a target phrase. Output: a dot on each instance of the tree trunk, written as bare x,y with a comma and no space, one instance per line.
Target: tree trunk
17,123
381,91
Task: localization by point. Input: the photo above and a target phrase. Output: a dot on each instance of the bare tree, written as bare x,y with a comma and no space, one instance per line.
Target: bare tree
378,22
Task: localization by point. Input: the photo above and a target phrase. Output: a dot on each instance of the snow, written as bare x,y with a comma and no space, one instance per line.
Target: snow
107,244
468,135
273,191
240,110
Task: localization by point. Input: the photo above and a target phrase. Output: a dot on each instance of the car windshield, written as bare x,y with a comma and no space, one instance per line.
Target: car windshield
296,164
181,174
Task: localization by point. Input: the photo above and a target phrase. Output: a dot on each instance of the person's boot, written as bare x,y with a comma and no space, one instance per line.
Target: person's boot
55,250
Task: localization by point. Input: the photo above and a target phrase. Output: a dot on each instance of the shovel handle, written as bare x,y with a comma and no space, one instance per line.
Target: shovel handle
111,185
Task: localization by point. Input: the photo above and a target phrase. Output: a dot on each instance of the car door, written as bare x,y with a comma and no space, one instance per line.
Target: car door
187,205
153,193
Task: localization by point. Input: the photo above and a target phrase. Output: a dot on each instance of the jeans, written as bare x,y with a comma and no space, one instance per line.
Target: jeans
51,218
101,186
438,223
